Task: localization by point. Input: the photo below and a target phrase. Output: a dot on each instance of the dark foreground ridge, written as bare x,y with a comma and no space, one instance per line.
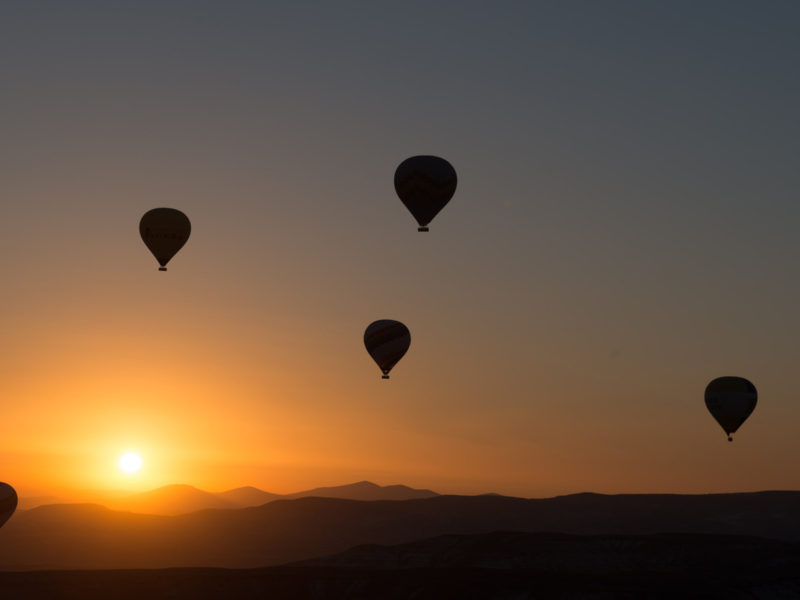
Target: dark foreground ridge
500,565
283,531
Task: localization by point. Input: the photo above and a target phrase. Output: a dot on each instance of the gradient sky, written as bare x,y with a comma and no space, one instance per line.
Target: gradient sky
624,230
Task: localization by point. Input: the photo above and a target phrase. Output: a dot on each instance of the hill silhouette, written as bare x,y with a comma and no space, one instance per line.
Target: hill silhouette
365,490
172,500
179,499
94,537
243,497
498,565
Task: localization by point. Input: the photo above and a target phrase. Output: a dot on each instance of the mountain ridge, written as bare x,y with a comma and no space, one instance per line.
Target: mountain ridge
287,530
180,498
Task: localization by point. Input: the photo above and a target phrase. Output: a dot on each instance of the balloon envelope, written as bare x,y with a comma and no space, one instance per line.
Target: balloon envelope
730,400
8,502
164,231
425,184
387,341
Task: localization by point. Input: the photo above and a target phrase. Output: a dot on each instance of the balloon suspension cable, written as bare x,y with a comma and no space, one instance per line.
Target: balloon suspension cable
422,229
384,377
162,268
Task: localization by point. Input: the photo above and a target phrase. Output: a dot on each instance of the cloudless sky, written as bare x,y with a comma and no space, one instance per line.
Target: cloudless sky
624,231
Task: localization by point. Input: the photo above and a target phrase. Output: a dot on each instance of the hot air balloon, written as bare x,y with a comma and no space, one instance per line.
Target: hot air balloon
8,502
387,341
425,184
730,400
164,231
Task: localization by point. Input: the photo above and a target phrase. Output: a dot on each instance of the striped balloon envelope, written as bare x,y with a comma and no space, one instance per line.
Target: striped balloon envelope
730,400
387,341
8,502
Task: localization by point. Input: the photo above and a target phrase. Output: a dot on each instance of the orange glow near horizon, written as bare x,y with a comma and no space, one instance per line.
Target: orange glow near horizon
202,412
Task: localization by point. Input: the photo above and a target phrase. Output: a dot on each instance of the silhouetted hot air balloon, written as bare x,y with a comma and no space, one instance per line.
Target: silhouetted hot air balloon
8,502
730,400
425,184
387,341
164,231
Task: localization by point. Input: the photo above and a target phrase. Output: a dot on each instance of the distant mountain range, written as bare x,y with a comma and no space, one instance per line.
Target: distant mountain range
183,499
282,531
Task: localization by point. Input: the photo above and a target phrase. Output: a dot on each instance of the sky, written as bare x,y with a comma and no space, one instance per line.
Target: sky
624,231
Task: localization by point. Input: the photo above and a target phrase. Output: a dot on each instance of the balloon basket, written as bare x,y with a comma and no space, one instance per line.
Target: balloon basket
384,377
162,268
422,229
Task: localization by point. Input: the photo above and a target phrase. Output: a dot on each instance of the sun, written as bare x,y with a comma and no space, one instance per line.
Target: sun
130,462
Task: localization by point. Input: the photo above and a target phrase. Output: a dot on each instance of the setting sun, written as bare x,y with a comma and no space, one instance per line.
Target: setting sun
130,462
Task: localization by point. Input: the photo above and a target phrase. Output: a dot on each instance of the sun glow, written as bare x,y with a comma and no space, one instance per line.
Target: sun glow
130,462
